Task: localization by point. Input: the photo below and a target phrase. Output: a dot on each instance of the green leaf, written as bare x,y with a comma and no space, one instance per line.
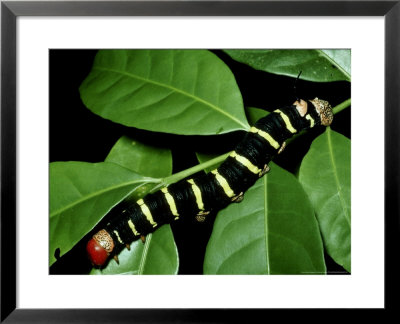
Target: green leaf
81,194
254,114
204,157
159,254
316,65
272,231
173,91
341,59
325,175
141,158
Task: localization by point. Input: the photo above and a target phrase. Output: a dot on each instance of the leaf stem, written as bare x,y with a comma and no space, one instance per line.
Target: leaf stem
345,104
201,166
188,172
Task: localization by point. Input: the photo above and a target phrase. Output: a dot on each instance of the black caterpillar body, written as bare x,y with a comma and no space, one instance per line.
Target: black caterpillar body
215,190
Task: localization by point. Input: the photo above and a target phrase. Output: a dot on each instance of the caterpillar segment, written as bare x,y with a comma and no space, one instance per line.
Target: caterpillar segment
199,196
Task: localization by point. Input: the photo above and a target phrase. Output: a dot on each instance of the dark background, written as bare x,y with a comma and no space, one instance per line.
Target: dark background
76,134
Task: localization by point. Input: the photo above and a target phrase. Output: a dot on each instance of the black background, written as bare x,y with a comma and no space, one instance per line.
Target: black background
76,134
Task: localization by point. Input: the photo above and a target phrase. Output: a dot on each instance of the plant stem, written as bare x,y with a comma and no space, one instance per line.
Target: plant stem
188,172
345,104
201,166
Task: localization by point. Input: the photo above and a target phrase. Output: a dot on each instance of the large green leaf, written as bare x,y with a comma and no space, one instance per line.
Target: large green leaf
326,177
173,91
81,194
272,231
159,254
316,65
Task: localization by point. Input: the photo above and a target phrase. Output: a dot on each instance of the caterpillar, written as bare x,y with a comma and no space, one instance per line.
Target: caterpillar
197,197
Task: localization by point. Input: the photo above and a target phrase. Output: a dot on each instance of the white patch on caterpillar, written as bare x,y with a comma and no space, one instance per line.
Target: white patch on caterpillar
301,106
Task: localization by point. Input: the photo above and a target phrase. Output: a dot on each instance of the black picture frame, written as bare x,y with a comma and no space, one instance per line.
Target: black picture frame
10,10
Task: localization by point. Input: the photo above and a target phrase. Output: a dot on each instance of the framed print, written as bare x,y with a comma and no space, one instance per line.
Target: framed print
200,71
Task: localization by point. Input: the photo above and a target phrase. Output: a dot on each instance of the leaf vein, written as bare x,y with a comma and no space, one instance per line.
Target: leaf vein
163,85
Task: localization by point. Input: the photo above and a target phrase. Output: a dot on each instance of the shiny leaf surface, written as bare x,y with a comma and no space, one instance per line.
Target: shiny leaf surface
325,174
316,65
81,194
272,231
172,91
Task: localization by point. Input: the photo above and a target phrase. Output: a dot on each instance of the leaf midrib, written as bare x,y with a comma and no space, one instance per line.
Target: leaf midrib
266,230
145,252
167,86
99,193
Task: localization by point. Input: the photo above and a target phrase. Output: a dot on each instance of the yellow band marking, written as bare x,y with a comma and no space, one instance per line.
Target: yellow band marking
287,121
266,136
117,235
312,122
241,159
146,212
133,228
197,193
223,183
171,202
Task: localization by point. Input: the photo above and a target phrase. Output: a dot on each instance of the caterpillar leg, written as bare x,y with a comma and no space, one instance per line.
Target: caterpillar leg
201,216
143,238
264,171
239,198
115,257
282,148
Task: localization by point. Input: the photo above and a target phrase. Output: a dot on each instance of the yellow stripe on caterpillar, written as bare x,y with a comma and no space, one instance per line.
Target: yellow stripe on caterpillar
244,161
171,202
146,212
287,121
312,122
223,183
197,194
117,235
133,228
266,136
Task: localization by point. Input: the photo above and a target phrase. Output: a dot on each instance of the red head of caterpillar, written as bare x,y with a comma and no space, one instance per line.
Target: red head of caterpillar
100,247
